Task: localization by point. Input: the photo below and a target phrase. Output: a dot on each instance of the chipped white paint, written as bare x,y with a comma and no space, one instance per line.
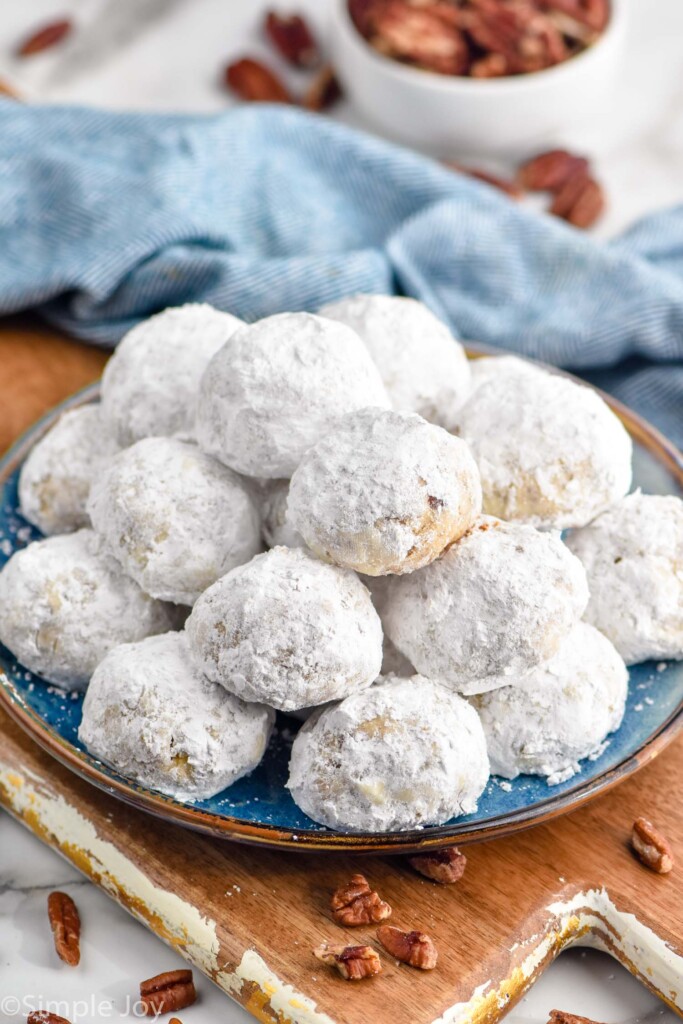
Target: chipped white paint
659,964
182,922
463,1012
586,912
283,998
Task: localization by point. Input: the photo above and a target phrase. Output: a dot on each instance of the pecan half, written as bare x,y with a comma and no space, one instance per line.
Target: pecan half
414,948
418,36
66,927
172,990
324,90
292,38
443,866
45,1017
594,13
580,201
518,31
562,1017
353,962
252,80
356,903
45,38
548,172
493,65
651,846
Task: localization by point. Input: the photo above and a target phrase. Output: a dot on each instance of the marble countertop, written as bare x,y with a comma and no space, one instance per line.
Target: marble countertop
168,54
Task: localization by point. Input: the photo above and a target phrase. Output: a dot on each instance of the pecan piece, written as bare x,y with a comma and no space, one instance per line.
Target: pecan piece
324,90
580,201
562,1017
353,962
414,948
548,172
45,1017
252,80
493,65
651,846
525,37
172,990
594,13
356,903
293,39
66,927
418,36
443,866
45,38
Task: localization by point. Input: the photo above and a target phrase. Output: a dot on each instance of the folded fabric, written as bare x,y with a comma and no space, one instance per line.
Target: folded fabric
106,218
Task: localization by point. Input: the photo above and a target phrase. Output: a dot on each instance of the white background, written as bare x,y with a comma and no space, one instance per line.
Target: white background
169,54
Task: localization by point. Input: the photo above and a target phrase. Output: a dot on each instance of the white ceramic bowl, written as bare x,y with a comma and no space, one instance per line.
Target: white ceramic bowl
456,116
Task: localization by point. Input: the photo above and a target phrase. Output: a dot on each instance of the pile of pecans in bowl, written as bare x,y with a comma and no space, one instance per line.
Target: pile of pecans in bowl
480,38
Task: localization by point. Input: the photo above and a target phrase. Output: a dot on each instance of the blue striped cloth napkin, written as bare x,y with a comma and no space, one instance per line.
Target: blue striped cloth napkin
108,217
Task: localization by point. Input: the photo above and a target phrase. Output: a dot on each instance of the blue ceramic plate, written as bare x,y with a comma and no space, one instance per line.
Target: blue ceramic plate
258,808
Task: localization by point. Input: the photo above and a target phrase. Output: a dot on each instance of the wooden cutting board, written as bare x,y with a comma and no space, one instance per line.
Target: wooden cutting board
249,918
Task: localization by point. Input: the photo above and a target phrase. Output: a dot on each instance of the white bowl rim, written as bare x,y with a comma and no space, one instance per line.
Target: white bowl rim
464,84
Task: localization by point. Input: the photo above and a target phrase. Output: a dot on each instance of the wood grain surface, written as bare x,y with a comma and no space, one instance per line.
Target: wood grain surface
250,918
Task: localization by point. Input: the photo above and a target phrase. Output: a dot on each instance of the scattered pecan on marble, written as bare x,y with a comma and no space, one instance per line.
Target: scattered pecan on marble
66,927
167,992
252,80
291,36
45,37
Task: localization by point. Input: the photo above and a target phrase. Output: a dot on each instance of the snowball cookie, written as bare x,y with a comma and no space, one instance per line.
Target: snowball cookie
558,713
55,478
64,603
288,631
403,754
550,452
492,367
277,386
150,384
424,369
385,492
175,518
275,525
633,554
153,717
497,603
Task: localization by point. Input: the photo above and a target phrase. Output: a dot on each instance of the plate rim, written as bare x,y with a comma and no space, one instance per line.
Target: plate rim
228,827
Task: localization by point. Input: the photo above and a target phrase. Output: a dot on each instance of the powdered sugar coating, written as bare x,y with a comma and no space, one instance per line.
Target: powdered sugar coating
279,385
560,712
489,368
550,451
275,524
175,518
497,603
384,492
424,369
394,662
633,554
288,631
64,603
150,384
154,718
55,479
404,753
